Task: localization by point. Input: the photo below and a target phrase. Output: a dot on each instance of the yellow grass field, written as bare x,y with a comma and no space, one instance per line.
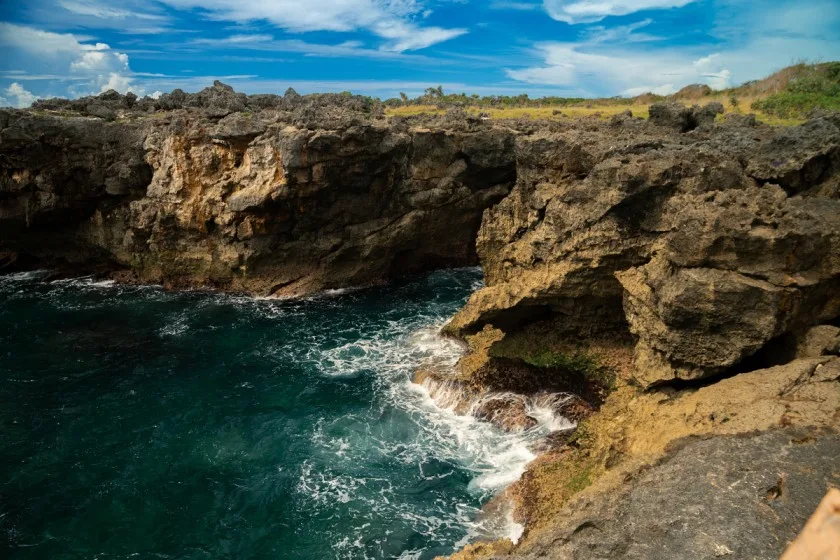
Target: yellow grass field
596,108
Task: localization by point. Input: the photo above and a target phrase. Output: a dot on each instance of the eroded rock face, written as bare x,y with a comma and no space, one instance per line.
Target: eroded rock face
250,201
682,238
745,496
683,119
740,269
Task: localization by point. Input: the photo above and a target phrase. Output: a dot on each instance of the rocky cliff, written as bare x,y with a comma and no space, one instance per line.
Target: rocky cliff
704,246
682,275
269,195
671,285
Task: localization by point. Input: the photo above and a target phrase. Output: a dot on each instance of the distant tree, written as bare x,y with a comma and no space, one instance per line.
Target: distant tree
733,101
404,98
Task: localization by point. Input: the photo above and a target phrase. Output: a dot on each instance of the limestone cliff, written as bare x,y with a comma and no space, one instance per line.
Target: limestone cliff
705,246
269,201
655,281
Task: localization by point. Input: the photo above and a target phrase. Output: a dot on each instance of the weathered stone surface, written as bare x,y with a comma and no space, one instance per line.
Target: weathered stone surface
744,496
681,118
711,260
213,196
740,269
821,340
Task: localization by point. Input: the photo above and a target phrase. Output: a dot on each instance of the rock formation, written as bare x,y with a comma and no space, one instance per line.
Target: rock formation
707,246
680,275
265,194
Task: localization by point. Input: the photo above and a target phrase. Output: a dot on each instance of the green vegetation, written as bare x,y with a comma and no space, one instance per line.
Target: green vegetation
782,99
811,86
435,96
536,350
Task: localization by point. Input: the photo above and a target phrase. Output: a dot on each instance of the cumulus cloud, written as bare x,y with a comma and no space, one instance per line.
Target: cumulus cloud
19,95
589,11
94,67
388,19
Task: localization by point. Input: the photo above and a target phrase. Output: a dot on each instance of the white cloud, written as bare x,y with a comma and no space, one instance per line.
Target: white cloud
621,70
389,19
94,67
622,33
408,37
346,49
235,40
589,11
132,17
621,60
95,9
22,98
516,6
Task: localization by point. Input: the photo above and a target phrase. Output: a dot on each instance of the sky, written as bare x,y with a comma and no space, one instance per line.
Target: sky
580,48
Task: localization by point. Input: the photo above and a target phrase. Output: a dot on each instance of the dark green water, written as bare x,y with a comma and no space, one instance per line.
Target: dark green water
138,423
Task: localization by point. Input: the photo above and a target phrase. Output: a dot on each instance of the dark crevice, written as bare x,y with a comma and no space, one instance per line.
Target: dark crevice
277,287
778,351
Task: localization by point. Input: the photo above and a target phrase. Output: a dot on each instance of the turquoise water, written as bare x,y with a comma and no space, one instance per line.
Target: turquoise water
139,423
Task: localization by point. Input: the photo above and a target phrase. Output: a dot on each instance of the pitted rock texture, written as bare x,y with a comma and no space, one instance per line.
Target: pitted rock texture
261,202
737,496
690,241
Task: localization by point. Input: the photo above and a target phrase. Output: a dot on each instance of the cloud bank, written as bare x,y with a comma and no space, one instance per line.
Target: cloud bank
92,67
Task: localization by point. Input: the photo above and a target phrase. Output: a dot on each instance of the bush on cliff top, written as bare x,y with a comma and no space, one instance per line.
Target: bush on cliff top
816,86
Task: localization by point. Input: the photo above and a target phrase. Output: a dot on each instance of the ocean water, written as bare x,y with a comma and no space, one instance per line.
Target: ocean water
140,423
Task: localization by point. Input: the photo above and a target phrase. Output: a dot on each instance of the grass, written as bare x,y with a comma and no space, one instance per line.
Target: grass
537,349
797,105
782,99
594,109
574,111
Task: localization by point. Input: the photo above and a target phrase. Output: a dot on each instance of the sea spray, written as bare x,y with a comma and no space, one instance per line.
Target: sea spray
145,422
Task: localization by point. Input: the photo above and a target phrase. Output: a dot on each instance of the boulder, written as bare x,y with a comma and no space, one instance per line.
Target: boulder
818,341
681,118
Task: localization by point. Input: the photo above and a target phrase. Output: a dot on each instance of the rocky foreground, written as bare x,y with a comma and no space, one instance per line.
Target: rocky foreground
680,275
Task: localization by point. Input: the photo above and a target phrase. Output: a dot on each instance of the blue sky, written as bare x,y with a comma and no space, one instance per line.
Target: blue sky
69,48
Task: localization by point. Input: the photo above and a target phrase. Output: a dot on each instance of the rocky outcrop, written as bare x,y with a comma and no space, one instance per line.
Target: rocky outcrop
279,200
681,275
745,496
683,119
690,241
761,442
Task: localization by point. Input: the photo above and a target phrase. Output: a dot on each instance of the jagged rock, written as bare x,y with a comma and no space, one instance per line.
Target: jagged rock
622,118
798,158
713,262
679,117
507,411
102,111
55,172
707,114
740,268
249,202
219,100
291,96
737,119
672,115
